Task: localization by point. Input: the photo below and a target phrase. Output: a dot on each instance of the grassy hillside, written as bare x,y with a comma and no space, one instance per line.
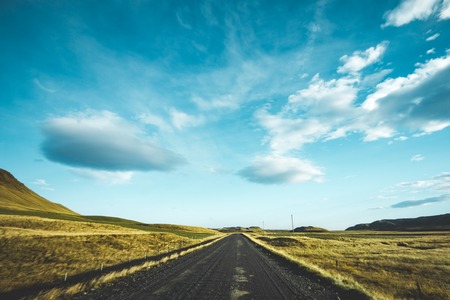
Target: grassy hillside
15,196
42,242
17,199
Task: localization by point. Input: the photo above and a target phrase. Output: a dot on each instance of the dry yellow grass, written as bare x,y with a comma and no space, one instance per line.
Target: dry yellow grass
387,265
36,250
58,293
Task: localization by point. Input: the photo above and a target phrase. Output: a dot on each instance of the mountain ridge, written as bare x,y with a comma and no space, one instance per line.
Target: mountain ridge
429,223
15,196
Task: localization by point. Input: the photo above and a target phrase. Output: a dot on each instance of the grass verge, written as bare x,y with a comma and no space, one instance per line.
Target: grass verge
40,251
79,287
387,265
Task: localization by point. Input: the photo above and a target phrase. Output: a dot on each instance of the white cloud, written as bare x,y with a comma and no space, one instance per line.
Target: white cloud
229,101
176,120
378,132
433,126
43,184
40,182
433,37
410,10
431,51
361,59
398,108
288,134
181,119
325,97
417,157
275,169
104,141
155,120
382,197
402,138
417,184
442,182
401,84
437,183
445,10
108,177
373,79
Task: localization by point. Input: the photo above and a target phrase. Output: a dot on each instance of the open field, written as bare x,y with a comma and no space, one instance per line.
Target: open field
36,250
191,232
389,265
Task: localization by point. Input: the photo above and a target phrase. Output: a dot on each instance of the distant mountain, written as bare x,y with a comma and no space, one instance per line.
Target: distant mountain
240,229
309,229
15,196
433,223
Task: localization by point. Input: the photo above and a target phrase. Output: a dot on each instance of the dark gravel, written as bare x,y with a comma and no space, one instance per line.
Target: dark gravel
233,268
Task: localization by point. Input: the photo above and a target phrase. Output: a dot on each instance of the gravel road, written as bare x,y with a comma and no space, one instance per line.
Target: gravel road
233,268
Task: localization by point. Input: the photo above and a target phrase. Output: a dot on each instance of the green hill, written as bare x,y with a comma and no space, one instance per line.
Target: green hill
15,196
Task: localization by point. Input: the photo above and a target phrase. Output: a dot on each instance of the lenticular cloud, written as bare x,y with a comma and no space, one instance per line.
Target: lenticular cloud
276,169
104,141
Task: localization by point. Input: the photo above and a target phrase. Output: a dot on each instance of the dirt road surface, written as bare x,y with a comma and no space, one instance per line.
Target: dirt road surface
233,268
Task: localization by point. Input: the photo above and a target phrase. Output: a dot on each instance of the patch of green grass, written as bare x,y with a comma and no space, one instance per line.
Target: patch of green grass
183,231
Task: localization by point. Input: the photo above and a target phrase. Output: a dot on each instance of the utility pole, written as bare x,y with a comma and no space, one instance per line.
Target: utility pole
292,222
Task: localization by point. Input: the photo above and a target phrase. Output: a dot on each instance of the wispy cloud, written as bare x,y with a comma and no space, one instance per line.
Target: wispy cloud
417,157
43,87
40,182
410,10
433,37
437,183
182,120
427,201
104,141
108,177
43,184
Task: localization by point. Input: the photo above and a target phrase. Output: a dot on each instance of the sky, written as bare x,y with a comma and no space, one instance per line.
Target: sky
229,113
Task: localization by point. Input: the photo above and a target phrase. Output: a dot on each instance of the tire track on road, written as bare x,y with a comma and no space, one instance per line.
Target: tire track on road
233,268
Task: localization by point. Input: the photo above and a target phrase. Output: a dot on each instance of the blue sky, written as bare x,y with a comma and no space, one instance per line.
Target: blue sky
226,113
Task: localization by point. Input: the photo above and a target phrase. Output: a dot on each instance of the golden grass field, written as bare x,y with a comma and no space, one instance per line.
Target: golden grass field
36,250
387,265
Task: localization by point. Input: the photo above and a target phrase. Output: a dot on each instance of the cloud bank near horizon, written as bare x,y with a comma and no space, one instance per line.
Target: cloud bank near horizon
426,201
